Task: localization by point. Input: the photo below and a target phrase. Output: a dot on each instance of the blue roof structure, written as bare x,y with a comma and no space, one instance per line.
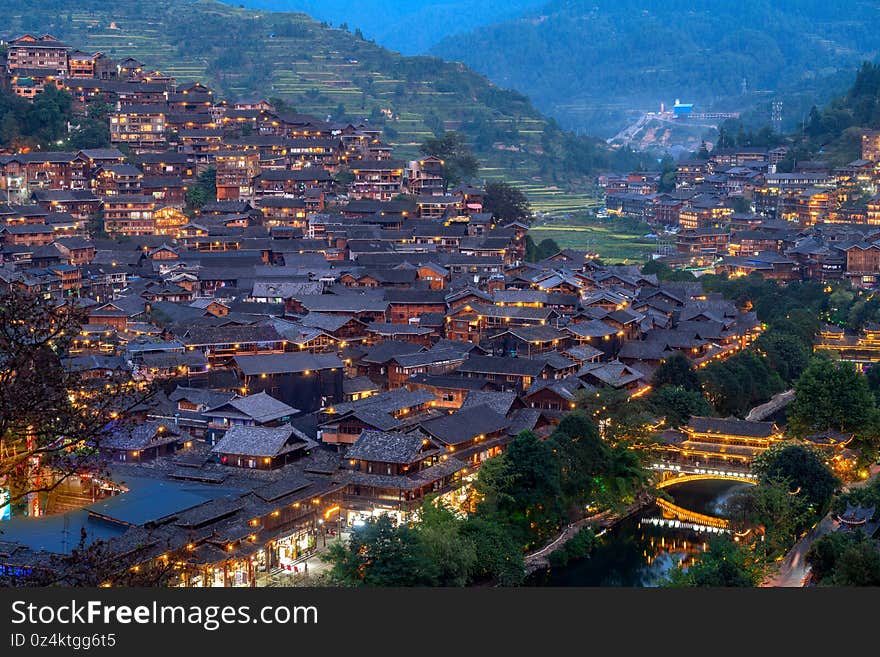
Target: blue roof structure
145,501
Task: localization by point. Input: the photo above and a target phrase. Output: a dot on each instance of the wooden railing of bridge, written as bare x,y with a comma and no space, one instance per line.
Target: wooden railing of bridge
684,478
668,508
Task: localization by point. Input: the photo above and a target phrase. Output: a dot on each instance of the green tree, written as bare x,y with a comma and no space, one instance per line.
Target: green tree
667,175
741,205
724,564
95,226
91,133
506,202
522,488
866,496
380,554
824,553
583,457
678,405
445,546
787,354
580,546
830,395
625,478
544,249
666,273
778,511
845,559
49,114
459,162
859,565
204,190
498,557
803,468
10,129
676,371
735,385
344,177
40,123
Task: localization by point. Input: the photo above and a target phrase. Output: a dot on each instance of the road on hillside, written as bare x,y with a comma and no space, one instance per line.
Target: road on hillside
794,569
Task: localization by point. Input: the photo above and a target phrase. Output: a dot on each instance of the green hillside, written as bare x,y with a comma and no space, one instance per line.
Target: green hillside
590,63
407,27
834,133
330,73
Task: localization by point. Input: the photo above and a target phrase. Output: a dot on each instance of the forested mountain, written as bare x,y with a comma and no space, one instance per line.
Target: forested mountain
328,72
408,27
834,132
583,61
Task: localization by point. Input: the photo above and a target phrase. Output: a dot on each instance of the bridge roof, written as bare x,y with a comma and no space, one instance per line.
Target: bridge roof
731,427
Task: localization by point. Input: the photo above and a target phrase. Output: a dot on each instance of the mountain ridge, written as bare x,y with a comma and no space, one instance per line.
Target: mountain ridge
394,25
581,60
322,71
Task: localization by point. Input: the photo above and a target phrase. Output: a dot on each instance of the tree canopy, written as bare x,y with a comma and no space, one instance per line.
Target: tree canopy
830,395
676,371
544,249
803,468
845,559
204,190
459,162
442,549
506,202
737,384
380,554
678,404
724,564
43,122
53,420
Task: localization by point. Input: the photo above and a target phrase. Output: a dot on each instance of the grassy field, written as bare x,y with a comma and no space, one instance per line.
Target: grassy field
548,199
615,240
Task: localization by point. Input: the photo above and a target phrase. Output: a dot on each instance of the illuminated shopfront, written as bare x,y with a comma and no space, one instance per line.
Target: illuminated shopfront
295,547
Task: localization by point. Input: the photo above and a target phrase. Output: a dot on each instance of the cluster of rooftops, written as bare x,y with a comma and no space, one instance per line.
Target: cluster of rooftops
736,212
374,397
313,352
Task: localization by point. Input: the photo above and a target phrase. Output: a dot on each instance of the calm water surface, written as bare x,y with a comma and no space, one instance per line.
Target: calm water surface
637,553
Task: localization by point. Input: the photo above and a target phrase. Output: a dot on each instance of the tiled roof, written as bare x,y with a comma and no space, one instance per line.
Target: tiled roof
260,441
286,363
465,425
732,427
387,447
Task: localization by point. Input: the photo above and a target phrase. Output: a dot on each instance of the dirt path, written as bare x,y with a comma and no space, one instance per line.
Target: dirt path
540,558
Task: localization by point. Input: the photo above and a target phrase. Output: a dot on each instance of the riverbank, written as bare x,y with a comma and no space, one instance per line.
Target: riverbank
540,559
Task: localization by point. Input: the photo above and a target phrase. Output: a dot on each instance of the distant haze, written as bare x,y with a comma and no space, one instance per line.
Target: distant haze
589,62
408,27
596,65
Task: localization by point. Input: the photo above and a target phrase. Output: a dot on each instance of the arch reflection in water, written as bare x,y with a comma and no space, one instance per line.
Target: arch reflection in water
640,551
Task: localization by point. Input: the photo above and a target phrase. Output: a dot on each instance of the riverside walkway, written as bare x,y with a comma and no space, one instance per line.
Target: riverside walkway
540,558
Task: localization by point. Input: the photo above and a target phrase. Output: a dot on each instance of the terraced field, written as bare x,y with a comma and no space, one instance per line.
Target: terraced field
319,70
615,240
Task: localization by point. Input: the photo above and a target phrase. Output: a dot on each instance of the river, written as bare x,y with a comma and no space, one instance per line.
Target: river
639,554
